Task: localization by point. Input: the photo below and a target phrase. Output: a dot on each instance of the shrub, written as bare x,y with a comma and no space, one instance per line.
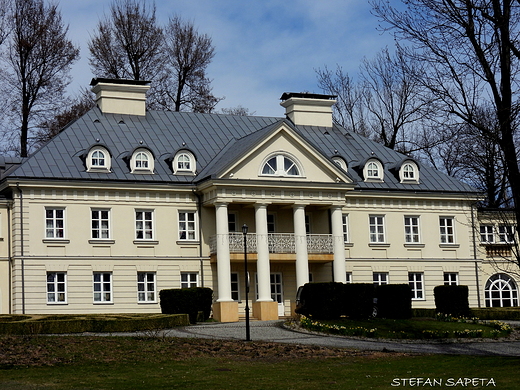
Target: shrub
394,301
452,300
321,300
190,301
358,300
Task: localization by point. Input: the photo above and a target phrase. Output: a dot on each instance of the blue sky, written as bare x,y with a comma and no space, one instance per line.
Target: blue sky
262,48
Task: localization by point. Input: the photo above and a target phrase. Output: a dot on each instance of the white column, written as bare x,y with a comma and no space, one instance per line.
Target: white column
223,258
262,248
338,245
300,243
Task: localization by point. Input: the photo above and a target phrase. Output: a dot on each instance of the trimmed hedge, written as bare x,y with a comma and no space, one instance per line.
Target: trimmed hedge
187,300
321,300
358,300
497,313
394,301
96,323
452,300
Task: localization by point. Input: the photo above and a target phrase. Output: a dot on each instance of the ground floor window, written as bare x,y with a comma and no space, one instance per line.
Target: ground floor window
380,278
56,287
102,287
501,291
348,277
189,279
415,280
146,286
451,278
235,287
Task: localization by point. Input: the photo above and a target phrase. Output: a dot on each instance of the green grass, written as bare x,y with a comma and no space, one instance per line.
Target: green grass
168,363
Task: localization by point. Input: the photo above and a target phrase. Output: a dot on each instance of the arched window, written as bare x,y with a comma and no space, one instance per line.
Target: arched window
409,172
142,161
184,162
501,291
340,162
98,160
373,170
281,165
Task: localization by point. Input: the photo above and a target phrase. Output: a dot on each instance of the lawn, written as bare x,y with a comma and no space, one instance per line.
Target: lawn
80,362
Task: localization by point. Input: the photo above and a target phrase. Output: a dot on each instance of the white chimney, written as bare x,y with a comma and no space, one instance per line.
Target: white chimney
308,109
120,96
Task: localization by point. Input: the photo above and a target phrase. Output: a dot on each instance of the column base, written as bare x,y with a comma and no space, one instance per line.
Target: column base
265,311
225,311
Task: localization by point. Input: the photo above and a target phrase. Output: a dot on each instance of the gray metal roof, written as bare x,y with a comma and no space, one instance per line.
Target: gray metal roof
214,139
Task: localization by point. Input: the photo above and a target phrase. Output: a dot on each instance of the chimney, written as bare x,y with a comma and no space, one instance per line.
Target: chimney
308,109
120,96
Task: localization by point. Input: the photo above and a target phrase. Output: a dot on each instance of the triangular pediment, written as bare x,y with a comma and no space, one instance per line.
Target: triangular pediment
280,153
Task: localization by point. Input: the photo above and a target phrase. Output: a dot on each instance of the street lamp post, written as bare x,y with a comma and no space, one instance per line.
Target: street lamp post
246,278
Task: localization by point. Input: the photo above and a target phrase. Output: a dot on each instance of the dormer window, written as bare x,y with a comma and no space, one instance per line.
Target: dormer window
373,170
281,165
340,162
409,172
98,160
184,162
142,161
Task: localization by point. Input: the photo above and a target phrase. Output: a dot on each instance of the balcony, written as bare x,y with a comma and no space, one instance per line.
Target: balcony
281,246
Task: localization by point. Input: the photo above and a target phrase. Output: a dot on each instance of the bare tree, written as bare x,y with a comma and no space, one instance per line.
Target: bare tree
238,110
128,43
38,62
5,9
185,84
472,53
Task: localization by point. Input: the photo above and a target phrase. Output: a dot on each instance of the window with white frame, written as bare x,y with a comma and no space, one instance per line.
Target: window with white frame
232,222
340,162
501,291
415,280
146,287
100,223
98,160
184,162
447,231
56,287
487,234
144,224
377,228
102,287
187,225
373,170
271,223
409,172
411,230
348,277
506,234
451,278
345,227
235,286
380,278
54,222
189,279
281,165
142,161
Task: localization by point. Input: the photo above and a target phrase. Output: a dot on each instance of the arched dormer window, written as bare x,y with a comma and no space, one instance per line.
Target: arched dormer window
373,170
409,172
98,159
340,162
142,161
281,165
184,163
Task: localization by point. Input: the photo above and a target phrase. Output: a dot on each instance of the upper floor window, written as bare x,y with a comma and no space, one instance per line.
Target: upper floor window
54,223
100,223
98,160
377,229
411,230
506,234
281,165
144,225
344,219
447,231
487,234
373,170
409,172
142,161
184,162
187,225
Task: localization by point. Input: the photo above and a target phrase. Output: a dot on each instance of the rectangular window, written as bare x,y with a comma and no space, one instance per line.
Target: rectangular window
54,223
100,223
451,278
56,287
232,222
187,225
377,228
415,280
189,279
506,234
380,278
144,225
235,286
345,227
447,230
487,234
146,286
271,228
349,277
102,287
411,230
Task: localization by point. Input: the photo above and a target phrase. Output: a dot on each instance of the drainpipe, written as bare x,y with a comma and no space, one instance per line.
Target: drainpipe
199,213
9,256
475,252
21,246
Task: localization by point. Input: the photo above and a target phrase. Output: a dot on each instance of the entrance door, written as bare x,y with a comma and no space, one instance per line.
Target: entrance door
277,292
